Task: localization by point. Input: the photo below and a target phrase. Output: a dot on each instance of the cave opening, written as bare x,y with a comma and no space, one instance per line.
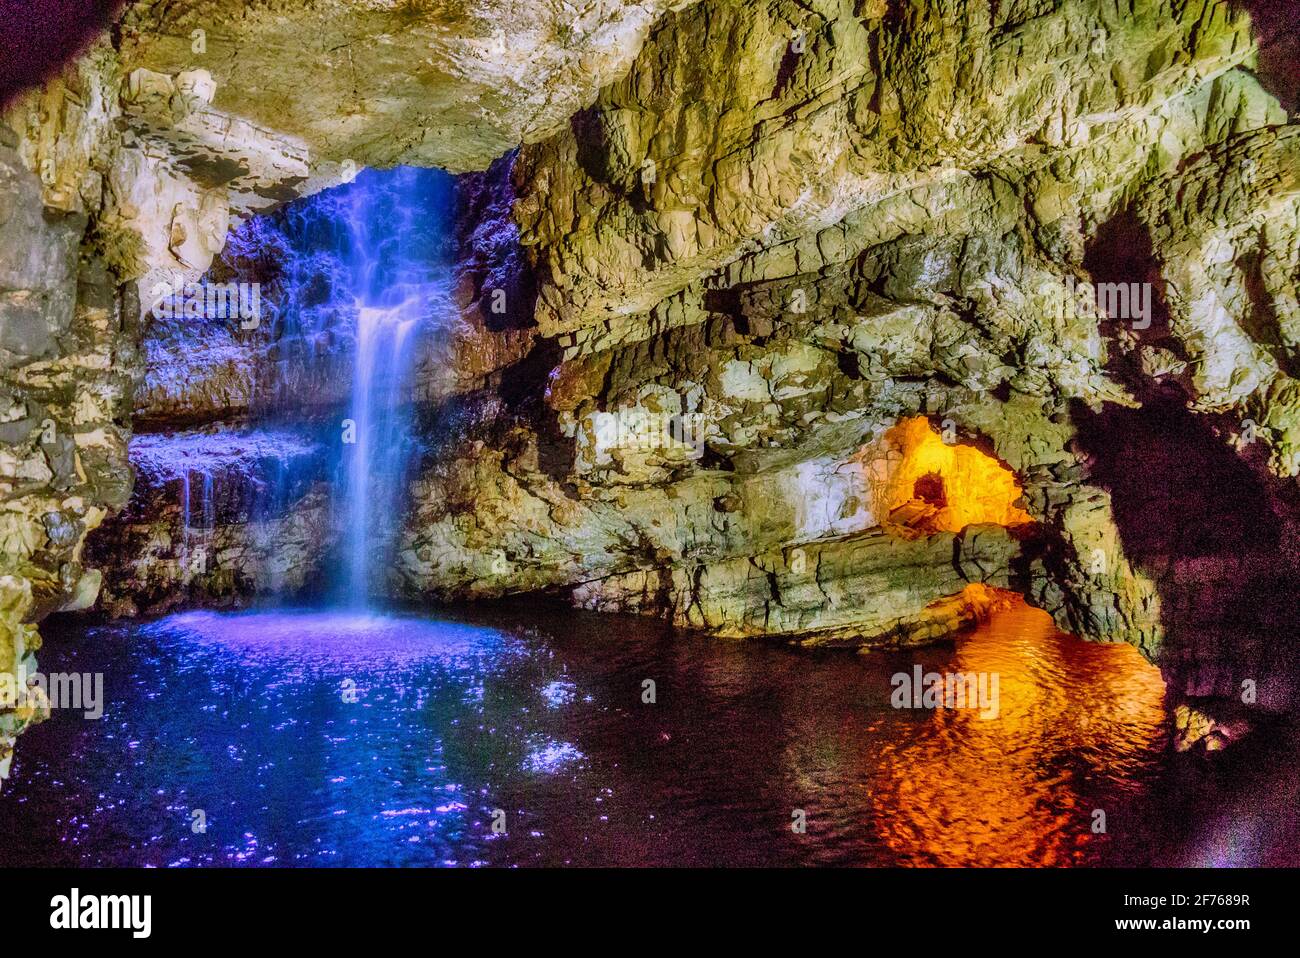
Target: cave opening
924,482
930,490
1217,535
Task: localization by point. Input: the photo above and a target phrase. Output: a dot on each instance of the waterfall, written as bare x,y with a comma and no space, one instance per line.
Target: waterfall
395,269
185,525
355,281
377,423
194,558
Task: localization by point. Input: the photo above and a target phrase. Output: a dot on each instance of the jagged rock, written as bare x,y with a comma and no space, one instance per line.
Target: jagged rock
815,594
1224,230
391,82
1194,728
780,237
159,565
217,517
18,642
743,124
67,363
38,280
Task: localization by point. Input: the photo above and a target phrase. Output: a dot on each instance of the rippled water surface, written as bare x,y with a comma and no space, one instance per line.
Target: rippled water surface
248,717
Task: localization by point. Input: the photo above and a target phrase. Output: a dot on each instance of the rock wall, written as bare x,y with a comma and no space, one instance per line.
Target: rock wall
745,249
216,515
66,368
792,226
122,174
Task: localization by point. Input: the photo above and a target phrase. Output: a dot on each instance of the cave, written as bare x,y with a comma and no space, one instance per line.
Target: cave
408,434
931,482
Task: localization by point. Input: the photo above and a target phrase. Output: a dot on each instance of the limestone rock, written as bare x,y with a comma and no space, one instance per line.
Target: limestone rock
449,85
198,529
815,320
67,365
745,124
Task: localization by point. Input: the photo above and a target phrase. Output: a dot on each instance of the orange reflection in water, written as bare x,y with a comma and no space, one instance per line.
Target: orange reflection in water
1074,719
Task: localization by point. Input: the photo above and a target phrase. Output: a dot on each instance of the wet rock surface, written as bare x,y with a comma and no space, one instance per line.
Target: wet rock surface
740,244
217,516
790,228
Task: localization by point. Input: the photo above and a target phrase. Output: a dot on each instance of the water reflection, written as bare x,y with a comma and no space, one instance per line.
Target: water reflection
452,723
1076,720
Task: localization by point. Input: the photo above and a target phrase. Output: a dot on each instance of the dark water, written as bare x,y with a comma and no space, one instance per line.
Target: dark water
244,716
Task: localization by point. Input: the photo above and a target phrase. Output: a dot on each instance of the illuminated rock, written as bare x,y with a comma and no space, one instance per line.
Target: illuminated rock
790,337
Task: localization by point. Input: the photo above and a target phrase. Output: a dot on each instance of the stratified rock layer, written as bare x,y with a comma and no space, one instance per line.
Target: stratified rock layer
66,365
747,250
793,226
382,82
217,516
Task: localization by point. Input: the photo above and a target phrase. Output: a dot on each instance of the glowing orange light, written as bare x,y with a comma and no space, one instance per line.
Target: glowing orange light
965,790
925,485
